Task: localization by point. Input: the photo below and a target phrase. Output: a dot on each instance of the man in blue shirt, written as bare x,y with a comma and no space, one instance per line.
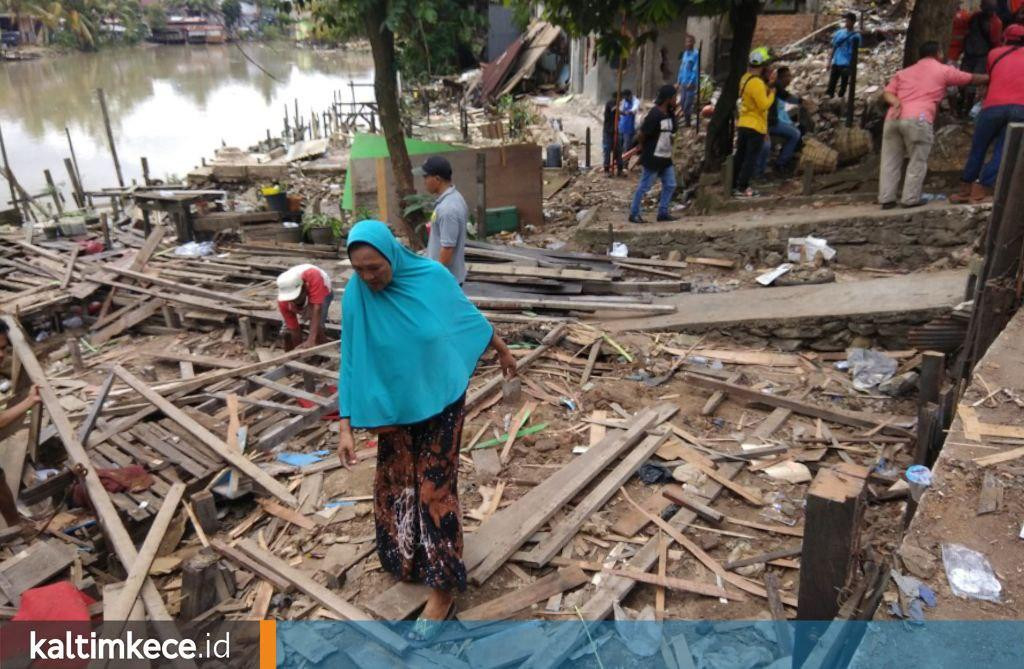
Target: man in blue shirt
844,43
689,79
627,121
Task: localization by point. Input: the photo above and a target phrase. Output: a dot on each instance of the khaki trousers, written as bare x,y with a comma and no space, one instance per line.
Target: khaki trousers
904,139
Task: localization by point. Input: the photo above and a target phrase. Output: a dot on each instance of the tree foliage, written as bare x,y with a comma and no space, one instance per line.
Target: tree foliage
232,11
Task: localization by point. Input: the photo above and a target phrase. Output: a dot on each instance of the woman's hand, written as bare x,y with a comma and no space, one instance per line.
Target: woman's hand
507,362
346,447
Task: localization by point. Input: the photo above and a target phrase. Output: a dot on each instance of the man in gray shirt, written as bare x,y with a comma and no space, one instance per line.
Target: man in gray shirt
447,242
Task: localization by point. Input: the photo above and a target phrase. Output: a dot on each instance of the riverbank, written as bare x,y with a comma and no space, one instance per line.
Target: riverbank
35,52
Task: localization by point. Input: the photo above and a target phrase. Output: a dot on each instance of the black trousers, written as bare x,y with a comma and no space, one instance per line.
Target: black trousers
749,144
840,75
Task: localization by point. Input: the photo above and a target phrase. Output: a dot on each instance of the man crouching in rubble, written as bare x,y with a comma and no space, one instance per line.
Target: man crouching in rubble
8,510
304,290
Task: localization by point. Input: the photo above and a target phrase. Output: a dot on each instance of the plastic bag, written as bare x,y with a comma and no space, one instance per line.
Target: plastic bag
619,250
969,573
869,367
195,249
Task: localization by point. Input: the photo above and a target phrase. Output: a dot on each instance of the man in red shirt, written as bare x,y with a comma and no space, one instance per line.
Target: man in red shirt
1003,105
913,96
304,290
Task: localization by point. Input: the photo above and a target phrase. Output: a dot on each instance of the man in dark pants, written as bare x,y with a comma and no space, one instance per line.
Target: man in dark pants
608,136
845,41
984,33
655,142
757,94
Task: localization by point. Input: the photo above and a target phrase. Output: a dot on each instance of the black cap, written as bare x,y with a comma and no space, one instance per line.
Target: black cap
435,166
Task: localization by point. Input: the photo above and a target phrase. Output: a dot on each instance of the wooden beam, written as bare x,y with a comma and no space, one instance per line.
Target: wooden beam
834,510
511,603
126,320
748,394
208,439
566,528
138,571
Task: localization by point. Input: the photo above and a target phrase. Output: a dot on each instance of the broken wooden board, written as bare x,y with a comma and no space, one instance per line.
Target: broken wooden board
566,528
765,358
630,521
323,595
509,604
32,566
208,439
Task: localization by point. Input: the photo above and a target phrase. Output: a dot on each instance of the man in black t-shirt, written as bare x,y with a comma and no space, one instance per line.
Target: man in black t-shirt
655,143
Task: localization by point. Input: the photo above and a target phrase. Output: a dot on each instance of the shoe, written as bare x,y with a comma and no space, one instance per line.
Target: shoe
888,205
962,196
425,630
912,205
636,219
667,217
743,194
980,194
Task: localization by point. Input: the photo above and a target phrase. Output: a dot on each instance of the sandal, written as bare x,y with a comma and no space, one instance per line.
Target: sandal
425,630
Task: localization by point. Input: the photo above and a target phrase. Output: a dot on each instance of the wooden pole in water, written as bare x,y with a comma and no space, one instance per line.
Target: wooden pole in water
54,193
110,136
145,171
74,160
76,185
7,170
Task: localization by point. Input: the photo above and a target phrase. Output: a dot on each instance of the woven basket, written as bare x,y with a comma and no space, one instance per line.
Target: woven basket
852,144
819,156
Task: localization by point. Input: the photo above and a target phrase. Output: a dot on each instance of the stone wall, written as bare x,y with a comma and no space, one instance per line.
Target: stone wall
886,331
905,240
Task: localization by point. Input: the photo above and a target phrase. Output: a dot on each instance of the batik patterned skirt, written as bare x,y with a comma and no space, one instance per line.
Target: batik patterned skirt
416,500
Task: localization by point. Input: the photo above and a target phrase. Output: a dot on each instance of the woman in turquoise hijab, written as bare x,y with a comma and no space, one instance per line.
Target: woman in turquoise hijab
409,344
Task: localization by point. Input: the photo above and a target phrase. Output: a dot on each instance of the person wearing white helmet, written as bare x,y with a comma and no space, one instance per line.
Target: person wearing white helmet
303,291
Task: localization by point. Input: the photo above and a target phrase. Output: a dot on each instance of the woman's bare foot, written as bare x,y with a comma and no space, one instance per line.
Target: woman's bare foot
438,604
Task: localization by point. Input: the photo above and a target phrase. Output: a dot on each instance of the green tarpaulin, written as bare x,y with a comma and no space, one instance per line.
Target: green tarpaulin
374,146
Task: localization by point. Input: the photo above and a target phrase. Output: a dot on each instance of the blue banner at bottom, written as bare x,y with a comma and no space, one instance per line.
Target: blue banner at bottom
670,644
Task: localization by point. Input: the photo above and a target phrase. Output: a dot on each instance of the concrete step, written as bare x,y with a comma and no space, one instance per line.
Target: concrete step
863,234
825,317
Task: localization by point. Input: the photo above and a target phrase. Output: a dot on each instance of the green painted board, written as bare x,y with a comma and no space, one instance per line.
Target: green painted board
365,145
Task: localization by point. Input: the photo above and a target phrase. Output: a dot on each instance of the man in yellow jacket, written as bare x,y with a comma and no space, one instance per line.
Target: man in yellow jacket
757,93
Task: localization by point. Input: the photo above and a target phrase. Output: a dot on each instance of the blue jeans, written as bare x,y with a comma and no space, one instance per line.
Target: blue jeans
687,100
626,139
667,176
791,135
990,127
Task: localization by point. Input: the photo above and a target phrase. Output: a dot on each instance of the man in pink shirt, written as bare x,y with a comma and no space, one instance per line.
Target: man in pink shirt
913,96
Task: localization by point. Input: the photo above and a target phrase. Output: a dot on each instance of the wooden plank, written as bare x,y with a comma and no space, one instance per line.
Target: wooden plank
832,415
517,424
566,528
511,603
680,584
245,562
712,262
198,360
497,539
71,267
309,492
630,521
764,358
295,393
138,571
678,496
659,593
747,494
323,595
106,514
615,588
289,515
32,566
718,396
125,321
207,438
762,558
595,350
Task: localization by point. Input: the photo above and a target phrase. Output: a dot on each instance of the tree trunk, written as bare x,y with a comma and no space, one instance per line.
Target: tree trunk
930,20
743,17
385,87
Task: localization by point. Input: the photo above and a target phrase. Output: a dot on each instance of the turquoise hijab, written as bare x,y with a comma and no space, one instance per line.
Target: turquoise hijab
408,351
